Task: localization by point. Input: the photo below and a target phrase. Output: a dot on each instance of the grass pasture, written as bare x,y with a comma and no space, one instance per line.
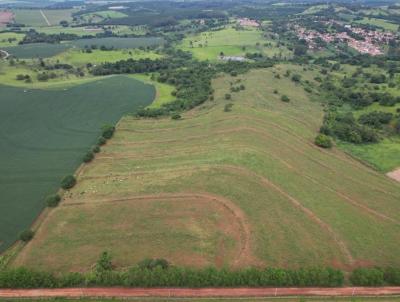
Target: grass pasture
7,39
54,16
29,17
209,45
44,135
293,204
119,43
79,58
386,25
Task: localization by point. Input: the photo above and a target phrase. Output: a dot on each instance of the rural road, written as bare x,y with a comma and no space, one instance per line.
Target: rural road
120,292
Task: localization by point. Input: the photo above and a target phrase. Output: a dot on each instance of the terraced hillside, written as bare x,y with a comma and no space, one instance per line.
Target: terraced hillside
232,186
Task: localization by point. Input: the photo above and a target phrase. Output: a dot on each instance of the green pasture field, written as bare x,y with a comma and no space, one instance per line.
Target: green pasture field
110,14
163,91
209,45
80,31
291,204
7,35
315,9
386,25
29,17
44,135
56,15
78,57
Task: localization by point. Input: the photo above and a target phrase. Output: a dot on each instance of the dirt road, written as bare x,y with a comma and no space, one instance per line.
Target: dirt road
198,292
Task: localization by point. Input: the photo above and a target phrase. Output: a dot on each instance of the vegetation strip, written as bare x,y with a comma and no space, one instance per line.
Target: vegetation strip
200,292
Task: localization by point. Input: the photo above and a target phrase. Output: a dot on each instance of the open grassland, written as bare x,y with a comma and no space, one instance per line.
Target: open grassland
380,23
164,188
80,58
278,299
8,39
44,135
54,16
163,91
231,42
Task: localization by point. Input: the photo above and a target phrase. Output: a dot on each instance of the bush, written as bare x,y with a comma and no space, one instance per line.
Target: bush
53,200
104,263
96,149
285,98
367,277
101,141
68,182
176,116
228,96
153,263
323,141
108,131
26,235
88,157
228,107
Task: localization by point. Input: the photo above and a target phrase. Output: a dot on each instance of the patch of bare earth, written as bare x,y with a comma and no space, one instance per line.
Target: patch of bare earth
394,175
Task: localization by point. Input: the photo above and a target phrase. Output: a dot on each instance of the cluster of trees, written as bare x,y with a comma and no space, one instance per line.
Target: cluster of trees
346,128
32,36
375,276
375,119
131,66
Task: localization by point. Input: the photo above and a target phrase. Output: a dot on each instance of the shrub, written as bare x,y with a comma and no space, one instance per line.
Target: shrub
323,141
275,91
296,77
367,277
53,200
101,141
285,98
228,96
88,157
96,149
26,235
153,263
176,116
108,131
228,107
68,182
104,263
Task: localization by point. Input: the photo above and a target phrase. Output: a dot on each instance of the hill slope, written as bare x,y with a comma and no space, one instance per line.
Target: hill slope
243,187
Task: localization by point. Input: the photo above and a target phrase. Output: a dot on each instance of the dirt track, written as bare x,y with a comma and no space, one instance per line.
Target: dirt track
200,292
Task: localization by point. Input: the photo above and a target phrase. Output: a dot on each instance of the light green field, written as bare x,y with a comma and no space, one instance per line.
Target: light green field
80,31
8,35
78,57
315,9
209,45
56,15
288,203
100,16
379,22
29,17
163,91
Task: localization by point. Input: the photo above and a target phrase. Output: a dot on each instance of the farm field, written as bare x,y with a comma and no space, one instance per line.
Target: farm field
79,58
45,50
54,16
379,22
29,17
44,135
231,42
8,39
252,163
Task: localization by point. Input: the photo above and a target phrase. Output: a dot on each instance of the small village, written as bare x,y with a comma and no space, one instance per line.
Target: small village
371,42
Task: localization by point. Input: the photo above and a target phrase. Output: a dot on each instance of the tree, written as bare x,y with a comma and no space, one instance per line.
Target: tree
68,182
323,141
104,263
108,131
228,96
285,98
26,235
53,200
88,157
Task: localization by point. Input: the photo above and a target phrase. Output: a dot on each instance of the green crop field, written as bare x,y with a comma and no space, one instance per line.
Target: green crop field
79,58
44,135
235,185
45,50
232,42
119,43
36,50
54,16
